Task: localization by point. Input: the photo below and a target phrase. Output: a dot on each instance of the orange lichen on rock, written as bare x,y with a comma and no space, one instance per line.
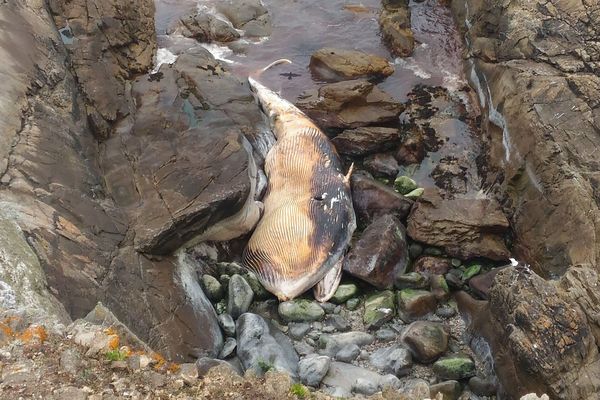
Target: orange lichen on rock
173,367
34,332
159,360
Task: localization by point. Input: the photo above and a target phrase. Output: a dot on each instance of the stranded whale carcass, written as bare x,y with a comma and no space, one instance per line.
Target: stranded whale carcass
308,217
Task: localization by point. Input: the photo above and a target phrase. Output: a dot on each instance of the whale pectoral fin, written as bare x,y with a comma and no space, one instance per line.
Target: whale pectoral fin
326,287
349,174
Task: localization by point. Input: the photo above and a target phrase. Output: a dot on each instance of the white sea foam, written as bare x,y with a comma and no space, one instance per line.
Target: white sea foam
410,64
219,52
163,56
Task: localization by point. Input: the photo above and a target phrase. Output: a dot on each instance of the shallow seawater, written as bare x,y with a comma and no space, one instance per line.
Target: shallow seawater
301,27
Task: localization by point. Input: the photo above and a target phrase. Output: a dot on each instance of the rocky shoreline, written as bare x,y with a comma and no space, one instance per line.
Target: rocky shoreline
134,188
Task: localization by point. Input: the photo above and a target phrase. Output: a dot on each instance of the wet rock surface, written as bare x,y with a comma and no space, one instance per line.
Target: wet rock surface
261,346
380,254
340,64
464,228
394,21
207,28
349,104
549,65
373,199
362,141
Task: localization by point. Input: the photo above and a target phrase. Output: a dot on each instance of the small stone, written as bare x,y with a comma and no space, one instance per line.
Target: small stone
224,281
415,389
454,281
338,323
456,262
415,250
329,308
260,293
394,360
412,280
18,373
189,373
534,396
328,329
364,355
344,293
445,312
300,310
118,365
304,348
385,335
364,386
348,353
240,296
404,185
153,379
433,251
297,330
70,361
228,348
458,366
428,265
379,309
415,194
310,341
70,393
439,288
389,381
450,390
221,307
381,164
426,340
261,346
283,328
471,271
212,288
331,344
227,324
353,304
313,369
317,326
204,364
482,387
416,303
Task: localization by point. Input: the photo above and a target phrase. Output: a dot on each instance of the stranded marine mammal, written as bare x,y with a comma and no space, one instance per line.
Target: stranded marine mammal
308,217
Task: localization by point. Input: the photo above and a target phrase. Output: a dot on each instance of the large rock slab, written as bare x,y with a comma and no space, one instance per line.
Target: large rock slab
58,182
349,104
343,376
537,71
262,346
372,199
206,28
109,42
380,254
362,141
249,15
540,336
340,64
464,228
182,165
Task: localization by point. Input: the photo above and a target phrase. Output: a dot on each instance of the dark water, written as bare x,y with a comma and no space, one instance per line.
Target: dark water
301,27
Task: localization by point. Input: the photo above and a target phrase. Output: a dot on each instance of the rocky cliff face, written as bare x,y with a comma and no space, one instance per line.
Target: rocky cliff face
535,66
106,171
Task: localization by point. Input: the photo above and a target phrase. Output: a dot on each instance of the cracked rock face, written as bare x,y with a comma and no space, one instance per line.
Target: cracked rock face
106,171
537,65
